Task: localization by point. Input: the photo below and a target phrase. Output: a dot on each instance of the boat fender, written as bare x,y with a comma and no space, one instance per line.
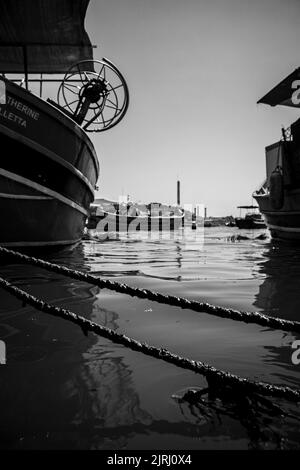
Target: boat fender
276,188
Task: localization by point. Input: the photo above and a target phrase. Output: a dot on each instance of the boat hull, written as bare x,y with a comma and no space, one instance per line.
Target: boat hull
47,173
249,224
284,224
58,226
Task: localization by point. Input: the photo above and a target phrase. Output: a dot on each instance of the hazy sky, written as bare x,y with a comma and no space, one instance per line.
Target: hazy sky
195,70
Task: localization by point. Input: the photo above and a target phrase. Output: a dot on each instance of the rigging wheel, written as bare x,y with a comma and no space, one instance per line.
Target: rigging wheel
95,93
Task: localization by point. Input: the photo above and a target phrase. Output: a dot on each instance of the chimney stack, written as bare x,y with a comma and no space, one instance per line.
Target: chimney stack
178,193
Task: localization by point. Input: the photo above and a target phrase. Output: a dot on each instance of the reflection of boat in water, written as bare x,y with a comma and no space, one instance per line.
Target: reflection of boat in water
129,218
251,220
279,196
49,171
85,391
279,292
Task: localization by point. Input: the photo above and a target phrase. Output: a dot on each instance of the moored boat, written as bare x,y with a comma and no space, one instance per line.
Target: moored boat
251,220
47,177
279,196
49,169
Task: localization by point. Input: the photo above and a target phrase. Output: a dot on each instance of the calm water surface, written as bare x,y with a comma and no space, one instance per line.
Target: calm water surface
60,389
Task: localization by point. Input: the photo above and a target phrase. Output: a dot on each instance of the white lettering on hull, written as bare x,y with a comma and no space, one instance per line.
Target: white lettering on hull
12,117
22,108
19,106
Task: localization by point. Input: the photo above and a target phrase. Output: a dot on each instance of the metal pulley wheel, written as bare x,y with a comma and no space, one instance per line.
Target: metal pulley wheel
95,93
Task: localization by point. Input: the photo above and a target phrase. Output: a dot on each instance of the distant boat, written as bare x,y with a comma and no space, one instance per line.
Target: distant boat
208,223
231,223
251,220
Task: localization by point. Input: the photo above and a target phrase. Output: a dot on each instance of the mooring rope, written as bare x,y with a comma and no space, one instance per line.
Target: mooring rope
215,377
246,317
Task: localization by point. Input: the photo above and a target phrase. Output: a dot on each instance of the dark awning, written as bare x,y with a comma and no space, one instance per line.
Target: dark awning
283,92
52,31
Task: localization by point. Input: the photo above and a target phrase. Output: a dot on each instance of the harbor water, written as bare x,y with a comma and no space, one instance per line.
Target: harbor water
60,389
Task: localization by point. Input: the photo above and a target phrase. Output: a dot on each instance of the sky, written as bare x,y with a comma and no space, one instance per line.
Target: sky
195,70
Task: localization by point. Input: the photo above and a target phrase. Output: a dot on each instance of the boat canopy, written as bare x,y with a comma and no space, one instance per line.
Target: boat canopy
43,36
285,93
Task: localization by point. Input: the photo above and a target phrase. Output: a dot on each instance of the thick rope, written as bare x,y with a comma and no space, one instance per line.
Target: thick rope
246,317
215,377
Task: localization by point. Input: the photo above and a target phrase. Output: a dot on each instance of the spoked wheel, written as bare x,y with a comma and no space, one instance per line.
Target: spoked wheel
95,93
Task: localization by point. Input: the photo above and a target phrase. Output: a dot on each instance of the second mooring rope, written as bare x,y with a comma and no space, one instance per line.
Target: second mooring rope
215,377
246,317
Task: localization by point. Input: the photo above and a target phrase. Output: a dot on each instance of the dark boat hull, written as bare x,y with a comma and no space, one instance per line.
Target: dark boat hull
284,224
58,225
249,224
47,173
